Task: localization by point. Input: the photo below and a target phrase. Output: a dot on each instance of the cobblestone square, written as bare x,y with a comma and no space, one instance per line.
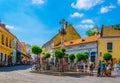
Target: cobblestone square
21,74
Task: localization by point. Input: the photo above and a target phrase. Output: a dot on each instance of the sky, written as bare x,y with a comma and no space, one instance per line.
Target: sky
37,21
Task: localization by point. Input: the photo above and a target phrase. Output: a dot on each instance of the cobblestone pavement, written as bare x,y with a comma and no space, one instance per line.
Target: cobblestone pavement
21,74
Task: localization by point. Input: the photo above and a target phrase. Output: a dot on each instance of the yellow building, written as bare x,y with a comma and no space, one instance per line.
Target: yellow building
109,42
24,48
6,44
24,52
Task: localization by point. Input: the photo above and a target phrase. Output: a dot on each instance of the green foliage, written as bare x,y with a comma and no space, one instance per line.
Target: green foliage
71,57
81,56
47,55
91,33
63,50
85,56
117,27
36,49
107,56
59,54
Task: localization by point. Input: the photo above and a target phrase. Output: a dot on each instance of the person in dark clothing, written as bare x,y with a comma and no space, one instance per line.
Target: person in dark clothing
99,68
91,68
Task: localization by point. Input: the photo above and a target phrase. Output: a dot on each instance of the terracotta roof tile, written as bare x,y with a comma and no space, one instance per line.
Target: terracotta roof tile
80,41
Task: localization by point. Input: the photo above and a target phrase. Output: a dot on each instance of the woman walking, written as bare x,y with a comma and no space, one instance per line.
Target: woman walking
103,68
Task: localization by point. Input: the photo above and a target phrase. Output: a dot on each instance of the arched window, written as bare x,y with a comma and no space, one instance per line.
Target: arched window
2,39
6,41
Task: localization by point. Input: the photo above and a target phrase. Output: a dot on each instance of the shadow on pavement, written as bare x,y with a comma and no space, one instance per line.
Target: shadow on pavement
76,76
14,68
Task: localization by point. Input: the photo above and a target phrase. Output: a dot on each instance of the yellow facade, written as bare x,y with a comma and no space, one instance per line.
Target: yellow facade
24,52
6,43
24,48
102,48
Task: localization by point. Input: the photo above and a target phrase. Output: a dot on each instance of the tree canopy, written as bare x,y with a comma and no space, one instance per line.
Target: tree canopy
63,49
47,55
60,53
107,56
71,57
36,49
85,56
91,32
81,56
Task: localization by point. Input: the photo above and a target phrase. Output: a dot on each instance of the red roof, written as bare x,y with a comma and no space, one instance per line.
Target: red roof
80,41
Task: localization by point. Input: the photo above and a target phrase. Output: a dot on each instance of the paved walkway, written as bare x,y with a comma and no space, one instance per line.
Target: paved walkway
21,74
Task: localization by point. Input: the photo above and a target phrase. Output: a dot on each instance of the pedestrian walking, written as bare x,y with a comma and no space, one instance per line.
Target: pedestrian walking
98,69
117,68
103,68
91,68
108,69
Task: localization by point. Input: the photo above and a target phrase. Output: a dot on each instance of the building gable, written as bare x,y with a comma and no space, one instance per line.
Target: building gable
110,31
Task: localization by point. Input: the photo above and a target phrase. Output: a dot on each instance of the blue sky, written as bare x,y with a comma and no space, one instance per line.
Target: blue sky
37,21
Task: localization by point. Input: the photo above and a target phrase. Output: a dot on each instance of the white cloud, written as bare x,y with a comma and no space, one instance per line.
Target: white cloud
86,4
85,24
118,1
88,21
10,27
38,1
106,9
76,14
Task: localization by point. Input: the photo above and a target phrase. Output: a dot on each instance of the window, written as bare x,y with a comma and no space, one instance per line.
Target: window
1,57
5,58
2,39
10,44
82,46
100,54
6,41
109,46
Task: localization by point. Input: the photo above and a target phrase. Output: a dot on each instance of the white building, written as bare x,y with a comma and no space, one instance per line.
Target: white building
28,47
87,45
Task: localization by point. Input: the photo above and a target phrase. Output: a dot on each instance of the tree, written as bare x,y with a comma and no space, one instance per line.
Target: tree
89,33
92,32
59,54
47,55
79,56
63,49
36,50
71,57
107,56
117,27
85,56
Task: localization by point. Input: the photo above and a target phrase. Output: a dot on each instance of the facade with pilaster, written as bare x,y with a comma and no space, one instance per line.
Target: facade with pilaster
7,46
